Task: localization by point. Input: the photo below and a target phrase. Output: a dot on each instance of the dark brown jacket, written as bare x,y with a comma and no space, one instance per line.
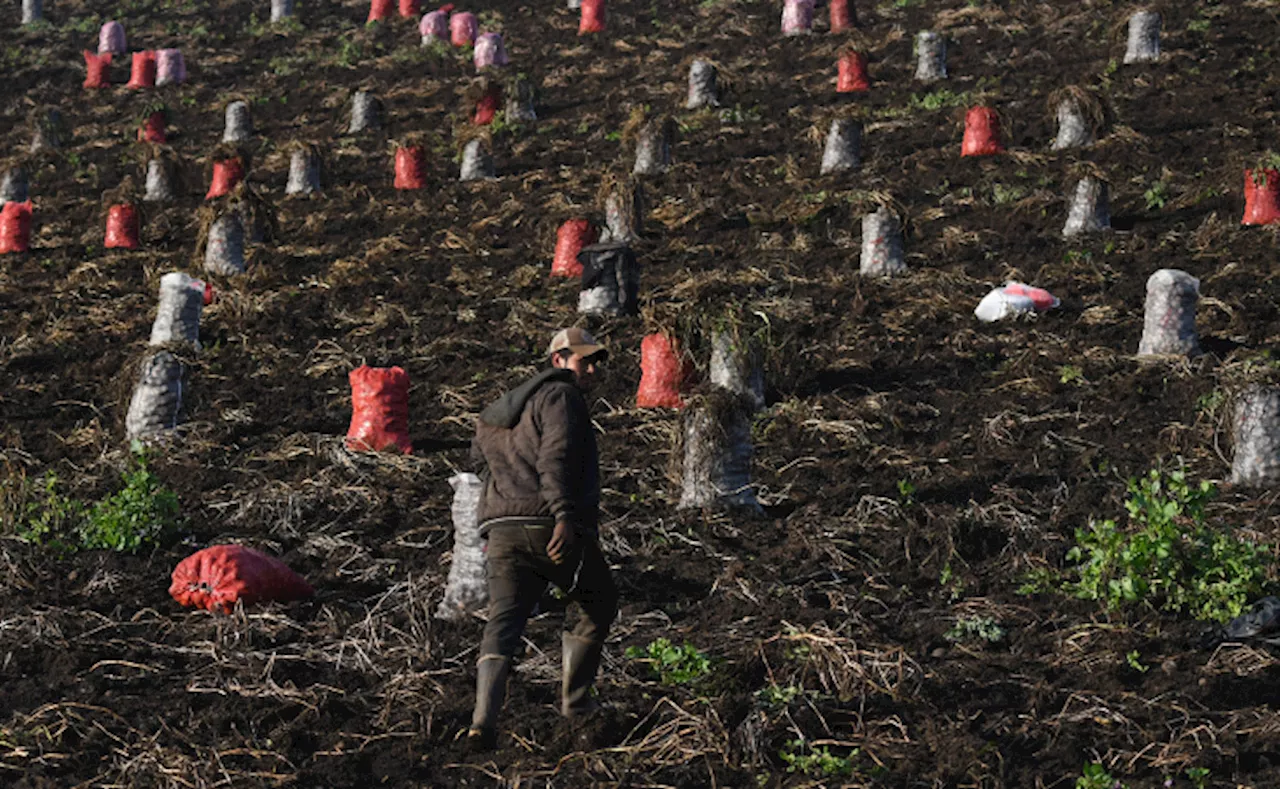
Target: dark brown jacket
541,454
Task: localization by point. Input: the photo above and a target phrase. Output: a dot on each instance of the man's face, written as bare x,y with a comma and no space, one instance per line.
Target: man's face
583,368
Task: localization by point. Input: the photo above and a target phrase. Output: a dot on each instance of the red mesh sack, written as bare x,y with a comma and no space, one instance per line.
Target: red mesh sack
216,577
411,167
15,227
379,10
487,105
122,227
839,15
572,236
97,70
852,73
379,410
143,73
226,174
663,373
152,129
463,27
592,18
981,133
410,8
1261,197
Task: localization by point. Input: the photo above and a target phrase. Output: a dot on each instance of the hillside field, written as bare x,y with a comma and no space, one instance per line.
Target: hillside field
917,468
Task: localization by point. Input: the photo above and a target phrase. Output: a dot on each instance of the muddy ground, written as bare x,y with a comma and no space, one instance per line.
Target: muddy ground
914,464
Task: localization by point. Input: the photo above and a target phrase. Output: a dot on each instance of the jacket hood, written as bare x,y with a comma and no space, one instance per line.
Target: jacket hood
505,411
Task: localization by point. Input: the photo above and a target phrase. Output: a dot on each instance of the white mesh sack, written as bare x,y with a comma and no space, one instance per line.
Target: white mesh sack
467,589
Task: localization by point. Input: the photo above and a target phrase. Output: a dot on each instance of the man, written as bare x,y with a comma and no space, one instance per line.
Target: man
539,511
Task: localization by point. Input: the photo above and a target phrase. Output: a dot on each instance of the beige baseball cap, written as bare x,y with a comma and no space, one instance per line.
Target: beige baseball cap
577,340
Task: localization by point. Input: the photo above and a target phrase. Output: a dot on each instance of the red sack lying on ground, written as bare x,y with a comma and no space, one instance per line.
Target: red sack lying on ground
379,10
852,73
226,174
152,129
216,577
1261,197
379,410
981,133
97,70
122,227
1041,299
15,227
663,373
143,72
411,167
592,18
839,15
487,105
572,236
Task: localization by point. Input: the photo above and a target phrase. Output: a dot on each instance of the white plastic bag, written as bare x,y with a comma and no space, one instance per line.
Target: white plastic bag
1012,300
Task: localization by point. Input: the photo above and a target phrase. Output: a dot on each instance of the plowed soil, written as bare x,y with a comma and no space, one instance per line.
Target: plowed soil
915,465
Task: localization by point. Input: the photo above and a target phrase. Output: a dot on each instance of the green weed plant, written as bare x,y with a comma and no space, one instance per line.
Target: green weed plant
816,762
1095,776
139,515
1168,556
975,628
671,664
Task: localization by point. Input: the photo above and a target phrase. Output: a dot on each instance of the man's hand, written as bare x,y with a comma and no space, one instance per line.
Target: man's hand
561,542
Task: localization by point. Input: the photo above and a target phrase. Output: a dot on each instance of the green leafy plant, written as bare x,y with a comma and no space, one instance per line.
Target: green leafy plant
1135,662
1168,555
1268,161
1199,776
1070,374
779,696
500,124
948,580
84,24
350,54
138,515
1095,776
975,628
671,664
797,651
256,26
940,99
1208,404
1037,581
1156,195
283,65
1004,194
438,50
739,114
906,492
45,517
817,762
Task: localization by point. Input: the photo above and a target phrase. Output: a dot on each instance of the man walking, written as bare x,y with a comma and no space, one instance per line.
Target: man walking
539,511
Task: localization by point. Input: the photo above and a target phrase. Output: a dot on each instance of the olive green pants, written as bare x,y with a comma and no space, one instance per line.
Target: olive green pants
519,571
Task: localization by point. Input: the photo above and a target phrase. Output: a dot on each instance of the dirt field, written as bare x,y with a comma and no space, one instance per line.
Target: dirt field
914,464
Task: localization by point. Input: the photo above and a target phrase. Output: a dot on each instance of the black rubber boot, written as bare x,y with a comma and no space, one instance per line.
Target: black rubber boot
491,690
581,662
